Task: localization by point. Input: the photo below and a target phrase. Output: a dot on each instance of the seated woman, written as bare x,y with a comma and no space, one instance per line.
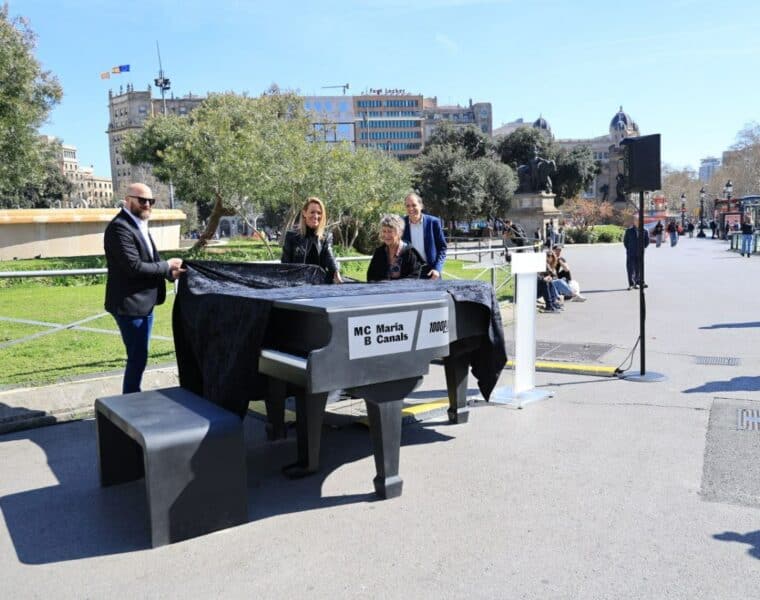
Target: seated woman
562,286
395,259
547,290
310,244
563,273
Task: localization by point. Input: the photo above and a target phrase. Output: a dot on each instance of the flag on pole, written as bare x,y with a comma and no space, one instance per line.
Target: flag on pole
105,75
124,68
115,70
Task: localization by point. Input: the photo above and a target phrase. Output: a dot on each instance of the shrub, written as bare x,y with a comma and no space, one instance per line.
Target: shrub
609,233
580,236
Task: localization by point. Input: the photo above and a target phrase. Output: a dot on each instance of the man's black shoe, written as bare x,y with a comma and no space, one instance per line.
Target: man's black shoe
644,285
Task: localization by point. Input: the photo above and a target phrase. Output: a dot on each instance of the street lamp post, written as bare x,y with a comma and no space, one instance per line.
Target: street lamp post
683,211
702,195
727,191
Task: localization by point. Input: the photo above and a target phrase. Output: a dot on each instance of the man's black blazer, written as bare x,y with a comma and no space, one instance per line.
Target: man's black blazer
136,273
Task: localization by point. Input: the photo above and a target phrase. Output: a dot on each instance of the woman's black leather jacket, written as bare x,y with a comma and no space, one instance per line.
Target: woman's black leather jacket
310,251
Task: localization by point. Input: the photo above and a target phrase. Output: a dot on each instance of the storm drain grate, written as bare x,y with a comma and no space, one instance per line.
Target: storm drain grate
559,351
722,361
747,419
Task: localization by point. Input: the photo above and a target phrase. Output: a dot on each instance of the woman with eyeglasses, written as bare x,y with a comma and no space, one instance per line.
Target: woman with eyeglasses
310,244
395,259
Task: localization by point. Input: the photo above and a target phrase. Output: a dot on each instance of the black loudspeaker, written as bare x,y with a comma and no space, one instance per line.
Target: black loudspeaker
642,163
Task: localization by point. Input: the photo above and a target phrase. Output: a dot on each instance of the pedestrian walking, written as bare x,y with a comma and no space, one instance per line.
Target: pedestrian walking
690,229
672,230
658,229
747,235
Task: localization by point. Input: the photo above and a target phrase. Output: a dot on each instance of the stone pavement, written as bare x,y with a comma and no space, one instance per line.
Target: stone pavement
610,489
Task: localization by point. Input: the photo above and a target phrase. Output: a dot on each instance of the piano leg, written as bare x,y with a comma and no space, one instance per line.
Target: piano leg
310,413
275,404
384,403
456,368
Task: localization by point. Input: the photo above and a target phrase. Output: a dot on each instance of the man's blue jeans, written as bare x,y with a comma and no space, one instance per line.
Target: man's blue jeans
135,333
746,243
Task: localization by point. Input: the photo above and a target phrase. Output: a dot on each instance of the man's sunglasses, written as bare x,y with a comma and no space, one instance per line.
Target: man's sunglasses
142,200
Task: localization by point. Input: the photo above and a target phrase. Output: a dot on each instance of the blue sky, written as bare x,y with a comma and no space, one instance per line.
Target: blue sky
687,69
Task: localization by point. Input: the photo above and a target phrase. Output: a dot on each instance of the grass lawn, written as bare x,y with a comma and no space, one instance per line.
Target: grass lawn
62,354
66,353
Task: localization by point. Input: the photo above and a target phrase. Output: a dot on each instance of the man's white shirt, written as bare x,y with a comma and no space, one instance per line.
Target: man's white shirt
417,237
142,225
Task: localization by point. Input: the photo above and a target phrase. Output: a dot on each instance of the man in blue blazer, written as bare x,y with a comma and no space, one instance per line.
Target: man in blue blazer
136,277
425,234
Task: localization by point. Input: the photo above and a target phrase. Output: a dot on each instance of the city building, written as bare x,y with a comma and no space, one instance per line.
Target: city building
606,150
88,190
707,168
478,114
333,117
389,120
127,111
540,124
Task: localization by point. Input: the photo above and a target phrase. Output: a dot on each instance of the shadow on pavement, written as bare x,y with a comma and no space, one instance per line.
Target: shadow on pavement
752,538
732,325
737,384
78,519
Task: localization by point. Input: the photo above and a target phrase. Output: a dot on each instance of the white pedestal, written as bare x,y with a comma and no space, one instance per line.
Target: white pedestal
525,267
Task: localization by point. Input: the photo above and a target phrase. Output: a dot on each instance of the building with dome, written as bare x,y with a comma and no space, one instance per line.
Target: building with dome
606,149
541,124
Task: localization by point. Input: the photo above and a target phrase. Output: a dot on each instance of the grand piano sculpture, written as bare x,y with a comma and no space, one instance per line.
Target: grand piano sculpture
245,332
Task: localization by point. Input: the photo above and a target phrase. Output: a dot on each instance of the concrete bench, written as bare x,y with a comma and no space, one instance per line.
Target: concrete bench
190,451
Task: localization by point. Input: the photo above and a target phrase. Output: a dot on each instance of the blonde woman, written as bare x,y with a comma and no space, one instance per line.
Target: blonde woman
310,244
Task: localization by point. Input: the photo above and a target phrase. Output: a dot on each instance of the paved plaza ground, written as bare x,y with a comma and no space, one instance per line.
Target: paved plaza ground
609,489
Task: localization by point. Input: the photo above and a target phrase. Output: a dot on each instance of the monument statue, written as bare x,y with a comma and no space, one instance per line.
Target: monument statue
535,177
620,188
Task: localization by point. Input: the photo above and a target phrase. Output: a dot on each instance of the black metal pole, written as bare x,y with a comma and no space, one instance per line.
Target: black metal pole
642,305
701,233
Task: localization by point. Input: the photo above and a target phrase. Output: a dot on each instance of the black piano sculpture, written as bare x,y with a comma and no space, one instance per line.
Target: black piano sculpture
244,332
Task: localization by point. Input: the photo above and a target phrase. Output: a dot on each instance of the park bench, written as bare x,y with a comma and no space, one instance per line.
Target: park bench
190,452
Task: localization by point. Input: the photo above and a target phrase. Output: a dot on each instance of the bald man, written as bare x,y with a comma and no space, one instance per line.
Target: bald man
136,279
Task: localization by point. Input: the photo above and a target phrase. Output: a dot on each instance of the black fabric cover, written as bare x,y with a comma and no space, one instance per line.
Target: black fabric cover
222,309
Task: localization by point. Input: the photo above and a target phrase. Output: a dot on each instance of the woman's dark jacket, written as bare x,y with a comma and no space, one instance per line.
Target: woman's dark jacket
409,259
309,250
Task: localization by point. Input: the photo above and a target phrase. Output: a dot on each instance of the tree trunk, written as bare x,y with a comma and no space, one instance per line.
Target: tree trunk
262,236
213,222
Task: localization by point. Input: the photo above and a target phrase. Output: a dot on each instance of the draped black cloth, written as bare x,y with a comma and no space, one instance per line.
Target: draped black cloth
222,309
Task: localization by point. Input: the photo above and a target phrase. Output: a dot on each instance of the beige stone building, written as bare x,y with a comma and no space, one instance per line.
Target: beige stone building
128,110
605,148
478,114
607,151
88,190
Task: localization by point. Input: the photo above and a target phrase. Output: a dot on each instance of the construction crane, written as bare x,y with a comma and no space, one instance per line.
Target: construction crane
344,86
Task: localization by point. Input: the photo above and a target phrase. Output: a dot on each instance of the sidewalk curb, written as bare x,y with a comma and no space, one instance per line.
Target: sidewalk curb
571,368
26,408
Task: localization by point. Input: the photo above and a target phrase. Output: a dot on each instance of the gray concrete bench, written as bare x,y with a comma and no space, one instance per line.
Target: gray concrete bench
190,451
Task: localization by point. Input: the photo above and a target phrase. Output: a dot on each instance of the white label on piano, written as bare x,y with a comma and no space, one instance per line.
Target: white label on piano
434,328
375,335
